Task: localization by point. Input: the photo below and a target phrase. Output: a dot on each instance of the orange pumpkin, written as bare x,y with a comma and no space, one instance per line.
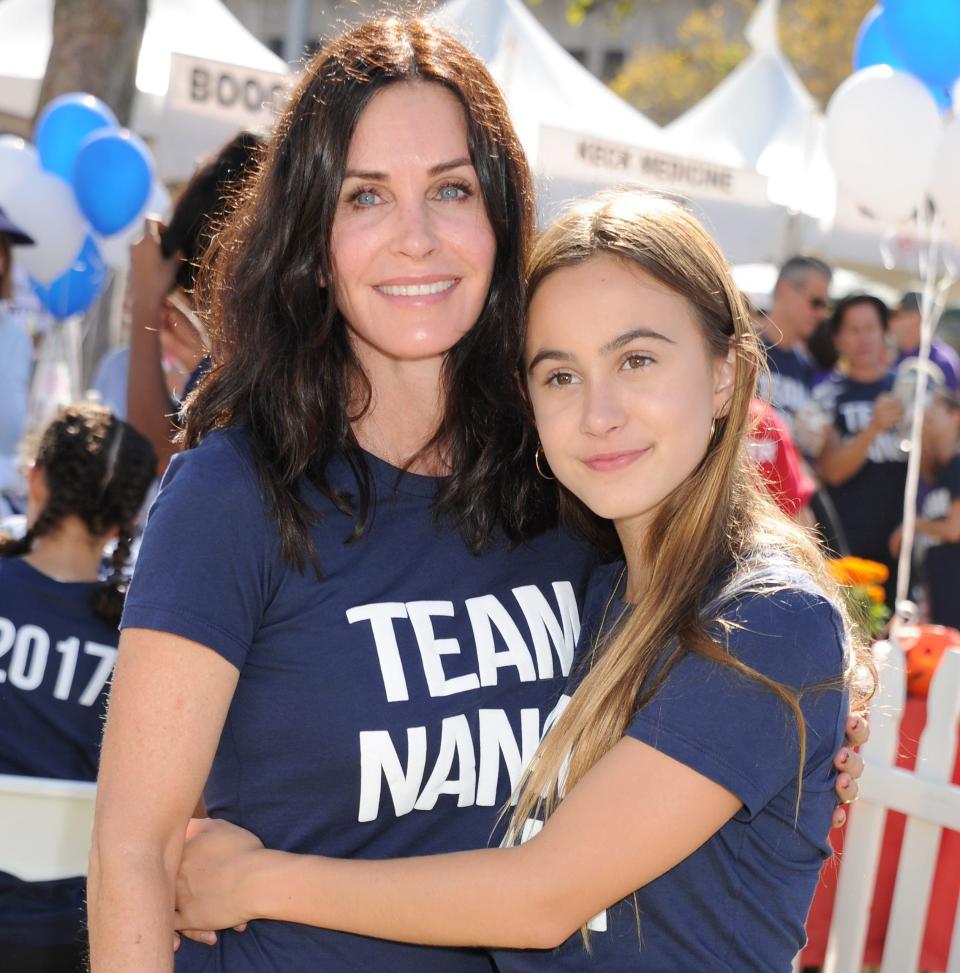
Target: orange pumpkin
924,646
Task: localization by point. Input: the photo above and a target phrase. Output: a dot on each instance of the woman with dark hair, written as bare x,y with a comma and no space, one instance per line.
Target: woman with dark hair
352,613
862,463
163,272
58,638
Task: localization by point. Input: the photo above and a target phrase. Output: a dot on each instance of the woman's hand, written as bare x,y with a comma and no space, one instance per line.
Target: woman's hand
217,859
850,765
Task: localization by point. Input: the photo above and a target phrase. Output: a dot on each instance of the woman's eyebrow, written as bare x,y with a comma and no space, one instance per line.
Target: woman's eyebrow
377,176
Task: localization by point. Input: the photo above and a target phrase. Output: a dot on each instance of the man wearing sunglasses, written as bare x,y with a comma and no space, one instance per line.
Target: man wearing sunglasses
799,304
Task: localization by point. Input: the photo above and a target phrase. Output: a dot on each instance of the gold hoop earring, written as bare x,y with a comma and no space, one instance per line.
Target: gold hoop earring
536,463
713,428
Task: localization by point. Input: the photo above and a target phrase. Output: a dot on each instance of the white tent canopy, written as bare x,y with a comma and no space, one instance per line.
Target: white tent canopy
762,117
543,84
201,28
559,108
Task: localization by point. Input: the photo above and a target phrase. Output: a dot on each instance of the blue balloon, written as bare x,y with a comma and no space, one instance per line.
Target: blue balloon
925,34
63,124
873,46
78,287
111,177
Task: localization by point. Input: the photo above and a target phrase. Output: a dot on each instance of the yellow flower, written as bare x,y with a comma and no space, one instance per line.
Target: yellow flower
854,571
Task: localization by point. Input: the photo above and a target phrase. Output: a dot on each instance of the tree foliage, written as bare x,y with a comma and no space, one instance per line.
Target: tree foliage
816,35
577,10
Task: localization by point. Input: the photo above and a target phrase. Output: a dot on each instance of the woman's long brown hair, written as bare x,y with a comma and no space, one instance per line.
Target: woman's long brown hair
285,367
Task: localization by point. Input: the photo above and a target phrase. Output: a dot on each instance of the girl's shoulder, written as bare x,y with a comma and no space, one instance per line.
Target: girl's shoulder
775,618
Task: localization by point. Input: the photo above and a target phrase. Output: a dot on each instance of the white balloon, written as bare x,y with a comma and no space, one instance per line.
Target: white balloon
883,127
945,179
43,205
159,203
115,249
17,159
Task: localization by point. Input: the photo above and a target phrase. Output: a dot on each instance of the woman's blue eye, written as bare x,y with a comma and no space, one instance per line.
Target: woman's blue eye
366,198
452,192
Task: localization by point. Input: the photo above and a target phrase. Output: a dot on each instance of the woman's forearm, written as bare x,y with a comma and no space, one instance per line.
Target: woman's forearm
130,904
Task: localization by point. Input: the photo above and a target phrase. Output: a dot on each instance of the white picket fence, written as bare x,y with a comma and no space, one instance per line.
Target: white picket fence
930,802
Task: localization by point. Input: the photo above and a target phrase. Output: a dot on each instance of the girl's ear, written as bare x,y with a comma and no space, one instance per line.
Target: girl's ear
724,374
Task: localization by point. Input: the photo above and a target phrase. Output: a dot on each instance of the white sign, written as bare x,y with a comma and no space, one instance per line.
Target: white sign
569,155
246,96
207,103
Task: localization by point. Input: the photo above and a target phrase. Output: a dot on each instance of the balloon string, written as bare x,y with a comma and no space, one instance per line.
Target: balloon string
934,290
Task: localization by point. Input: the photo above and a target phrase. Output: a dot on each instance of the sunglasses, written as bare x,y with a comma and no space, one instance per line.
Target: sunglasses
817,303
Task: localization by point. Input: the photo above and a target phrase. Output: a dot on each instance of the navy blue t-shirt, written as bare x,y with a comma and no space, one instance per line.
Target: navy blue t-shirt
870,504
942,561
739,902
56,658
791,382
384,710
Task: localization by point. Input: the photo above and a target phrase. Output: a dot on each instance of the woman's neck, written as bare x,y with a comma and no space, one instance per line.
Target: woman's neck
866,373
70,553
406,408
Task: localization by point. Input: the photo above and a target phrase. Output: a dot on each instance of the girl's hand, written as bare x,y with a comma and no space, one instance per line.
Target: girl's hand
850,765
217,859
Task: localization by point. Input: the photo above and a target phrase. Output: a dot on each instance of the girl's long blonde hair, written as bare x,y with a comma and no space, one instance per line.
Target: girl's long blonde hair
709,532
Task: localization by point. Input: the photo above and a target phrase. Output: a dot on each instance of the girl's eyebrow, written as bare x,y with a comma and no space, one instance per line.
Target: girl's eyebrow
617,343
614,345
436,170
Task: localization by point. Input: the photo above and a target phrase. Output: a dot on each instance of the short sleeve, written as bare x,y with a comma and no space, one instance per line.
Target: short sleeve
825,395
951,478
733,729
204,564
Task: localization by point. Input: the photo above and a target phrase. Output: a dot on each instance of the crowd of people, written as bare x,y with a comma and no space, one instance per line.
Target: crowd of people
455,526
842,379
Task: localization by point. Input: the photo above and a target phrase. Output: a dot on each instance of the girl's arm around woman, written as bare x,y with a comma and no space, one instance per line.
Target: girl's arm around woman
631,818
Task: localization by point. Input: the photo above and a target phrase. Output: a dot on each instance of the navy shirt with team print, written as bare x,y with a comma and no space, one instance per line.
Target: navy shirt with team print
870,504
56,658
791,382
941,561
739,902
383,710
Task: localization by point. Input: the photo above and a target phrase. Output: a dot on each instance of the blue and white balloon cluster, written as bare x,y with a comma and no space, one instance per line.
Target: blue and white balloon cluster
892,137
80,191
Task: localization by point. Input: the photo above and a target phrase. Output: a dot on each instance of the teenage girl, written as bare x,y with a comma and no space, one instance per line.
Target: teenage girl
680,804
58,641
